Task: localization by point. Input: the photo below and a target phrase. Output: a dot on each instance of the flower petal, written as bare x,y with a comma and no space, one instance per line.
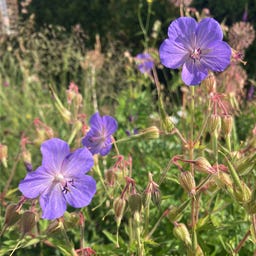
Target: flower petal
173,54
193,73
77,163
82,191
96,121
184,27
93,141
35,183
208,30
53,203
54,152
110,125
107,147
217,57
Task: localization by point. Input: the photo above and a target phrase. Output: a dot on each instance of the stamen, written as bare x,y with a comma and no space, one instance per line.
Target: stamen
195,55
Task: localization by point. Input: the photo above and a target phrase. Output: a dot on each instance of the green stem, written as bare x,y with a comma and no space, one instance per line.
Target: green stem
215,146
194,208
97,170
228,142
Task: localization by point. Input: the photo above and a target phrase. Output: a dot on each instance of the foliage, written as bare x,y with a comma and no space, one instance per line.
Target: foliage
180,179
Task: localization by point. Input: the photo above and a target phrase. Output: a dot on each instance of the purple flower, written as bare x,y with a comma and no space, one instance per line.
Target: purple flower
197,47
60,179
250,92
98,139
145,62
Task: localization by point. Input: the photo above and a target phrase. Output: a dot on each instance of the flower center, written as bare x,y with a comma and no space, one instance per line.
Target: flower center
195,55
59,178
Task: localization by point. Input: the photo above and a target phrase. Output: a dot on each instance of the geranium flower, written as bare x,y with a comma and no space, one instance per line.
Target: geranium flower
98,139
197,47
60,179
145,62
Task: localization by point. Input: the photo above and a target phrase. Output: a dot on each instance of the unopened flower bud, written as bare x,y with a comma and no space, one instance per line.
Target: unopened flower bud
187,181
156,197
202,165
242,195
110,177
3,154
165,119
227,124
11,215
28,222
214,123
119,206
150,133
210,83
135,203
223,179
181,232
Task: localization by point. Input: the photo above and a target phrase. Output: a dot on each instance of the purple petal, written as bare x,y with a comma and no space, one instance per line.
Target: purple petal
106,147
81,192
54,152
96,121
110,125
193,73
35,183
172,54
93,142
53,203
218,57
80,161
208,30
184,27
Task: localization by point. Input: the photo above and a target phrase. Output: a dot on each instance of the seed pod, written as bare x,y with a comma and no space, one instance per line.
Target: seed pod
181,232
223,179
28,221
210,83
244,195
119,206
110,177
202,165
135,203
214,123
187,181
227,124
11,215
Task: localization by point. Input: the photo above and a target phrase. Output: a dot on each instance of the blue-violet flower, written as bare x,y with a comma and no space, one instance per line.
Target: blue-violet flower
145,62
197,47
98,139
60,179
